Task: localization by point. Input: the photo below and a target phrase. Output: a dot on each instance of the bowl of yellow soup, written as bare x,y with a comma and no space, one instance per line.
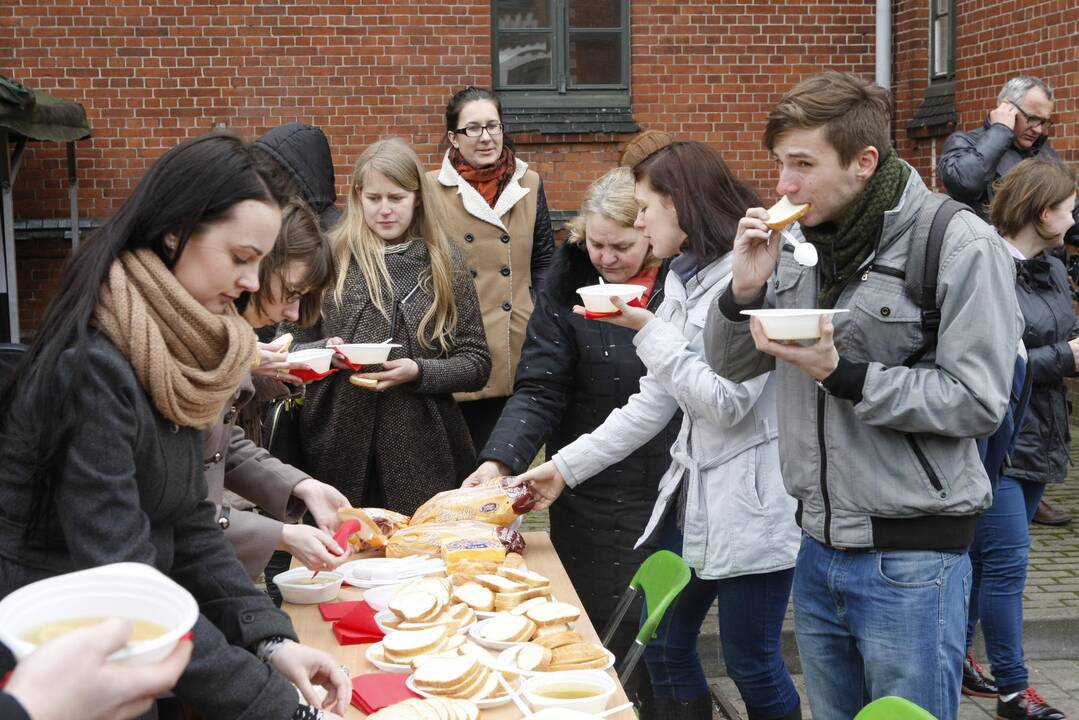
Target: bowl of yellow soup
302,587
160,611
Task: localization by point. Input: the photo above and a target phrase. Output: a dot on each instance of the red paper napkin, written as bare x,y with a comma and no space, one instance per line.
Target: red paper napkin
352,637
334,611
591,315
308,375
360,619
378,690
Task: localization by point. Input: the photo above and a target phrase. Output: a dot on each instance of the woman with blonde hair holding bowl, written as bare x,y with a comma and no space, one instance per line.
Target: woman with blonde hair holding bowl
497,215
398,277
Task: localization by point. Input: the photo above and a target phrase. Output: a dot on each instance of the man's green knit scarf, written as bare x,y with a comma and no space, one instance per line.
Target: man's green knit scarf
844,245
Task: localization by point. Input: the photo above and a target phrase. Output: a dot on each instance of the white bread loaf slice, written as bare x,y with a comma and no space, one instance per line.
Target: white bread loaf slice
437,586
554,613
784,212
500,584
476,596
439,674
529,604
399,711
529,578
402,644
487,690
505,627
554,640
532,657
508,601
422,708
415,605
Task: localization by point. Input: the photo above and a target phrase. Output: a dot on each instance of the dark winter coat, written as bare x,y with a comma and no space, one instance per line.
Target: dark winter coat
573,373
1041,451
972,162
131,489
414,433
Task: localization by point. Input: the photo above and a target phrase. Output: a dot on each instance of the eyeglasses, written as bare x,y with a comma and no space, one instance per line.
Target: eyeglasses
474,130
1032,120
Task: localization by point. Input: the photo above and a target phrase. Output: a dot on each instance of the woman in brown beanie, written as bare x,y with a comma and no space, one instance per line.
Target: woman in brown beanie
100,456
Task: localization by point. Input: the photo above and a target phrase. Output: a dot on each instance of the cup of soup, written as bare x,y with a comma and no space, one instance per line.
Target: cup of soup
160,610
597,298
586,691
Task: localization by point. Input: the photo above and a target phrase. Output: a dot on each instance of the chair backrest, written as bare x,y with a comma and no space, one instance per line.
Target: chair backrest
893,708
662,576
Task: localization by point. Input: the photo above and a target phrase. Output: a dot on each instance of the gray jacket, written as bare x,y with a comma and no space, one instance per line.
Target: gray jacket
972,162
900,468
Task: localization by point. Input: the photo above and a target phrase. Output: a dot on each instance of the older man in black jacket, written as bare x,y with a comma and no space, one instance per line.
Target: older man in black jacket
1016,129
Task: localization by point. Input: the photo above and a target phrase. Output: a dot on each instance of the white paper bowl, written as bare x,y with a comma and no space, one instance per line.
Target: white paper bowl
594,704
367,353
318,359
308,594
597,297
790,324
128,590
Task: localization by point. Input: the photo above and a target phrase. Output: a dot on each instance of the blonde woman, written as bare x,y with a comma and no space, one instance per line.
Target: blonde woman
573,373
398,277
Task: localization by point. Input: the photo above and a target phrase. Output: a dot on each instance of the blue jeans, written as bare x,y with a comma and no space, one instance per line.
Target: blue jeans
999,556
751,613
871,624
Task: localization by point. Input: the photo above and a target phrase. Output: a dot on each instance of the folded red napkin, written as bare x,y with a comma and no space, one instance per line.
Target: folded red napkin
308,375
360,619
334,611
378,690
352,637
590,315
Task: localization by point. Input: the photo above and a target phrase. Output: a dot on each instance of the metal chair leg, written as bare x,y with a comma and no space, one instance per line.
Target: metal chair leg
619,613
629,662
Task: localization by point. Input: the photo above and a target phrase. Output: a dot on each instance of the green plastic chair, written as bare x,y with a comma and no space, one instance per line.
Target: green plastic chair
893,708
662,575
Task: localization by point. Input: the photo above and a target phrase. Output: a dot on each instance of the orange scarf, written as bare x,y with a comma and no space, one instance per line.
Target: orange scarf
646,277
490,181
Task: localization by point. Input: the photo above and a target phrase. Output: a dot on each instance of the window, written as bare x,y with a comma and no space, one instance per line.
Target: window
566,55
942,40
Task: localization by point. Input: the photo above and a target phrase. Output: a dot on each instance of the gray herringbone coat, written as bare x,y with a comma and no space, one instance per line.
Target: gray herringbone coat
415,433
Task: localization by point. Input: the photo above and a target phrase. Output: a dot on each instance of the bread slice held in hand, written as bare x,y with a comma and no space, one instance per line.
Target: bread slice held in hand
784,212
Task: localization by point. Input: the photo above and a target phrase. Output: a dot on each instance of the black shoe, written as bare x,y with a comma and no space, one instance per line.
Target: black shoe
670,709
1027,705
976,681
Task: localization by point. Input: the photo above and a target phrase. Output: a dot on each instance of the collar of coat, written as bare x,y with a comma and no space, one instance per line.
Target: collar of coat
474,203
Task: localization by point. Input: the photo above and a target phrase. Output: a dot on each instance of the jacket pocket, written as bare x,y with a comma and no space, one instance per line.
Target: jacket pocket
884,325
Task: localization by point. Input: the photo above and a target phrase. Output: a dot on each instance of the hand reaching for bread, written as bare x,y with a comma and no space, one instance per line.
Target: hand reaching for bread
546,483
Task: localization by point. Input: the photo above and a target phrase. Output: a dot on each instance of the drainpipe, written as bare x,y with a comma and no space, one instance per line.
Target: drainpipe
884,44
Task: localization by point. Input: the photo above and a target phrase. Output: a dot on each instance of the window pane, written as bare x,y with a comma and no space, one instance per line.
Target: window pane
523,14
595,58
941,41
524,59
595,13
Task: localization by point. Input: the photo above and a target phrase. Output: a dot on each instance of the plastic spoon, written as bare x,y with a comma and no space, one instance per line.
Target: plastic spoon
614,710
804,252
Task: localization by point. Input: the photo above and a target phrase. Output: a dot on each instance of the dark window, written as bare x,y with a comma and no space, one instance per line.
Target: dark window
566,56
942,40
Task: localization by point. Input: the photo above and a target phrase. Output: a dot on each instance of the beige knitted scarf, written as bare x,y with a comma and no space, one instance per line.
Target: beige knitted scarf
188,359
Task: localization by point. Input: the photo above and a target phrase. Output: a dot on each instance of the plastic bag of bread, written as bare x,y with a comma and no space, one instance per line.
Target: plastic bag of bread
388,521
375,526
496,502
455,541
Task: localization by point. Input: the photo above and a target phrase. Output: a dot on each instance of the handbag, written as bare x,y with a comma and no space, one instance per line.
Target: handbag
281,430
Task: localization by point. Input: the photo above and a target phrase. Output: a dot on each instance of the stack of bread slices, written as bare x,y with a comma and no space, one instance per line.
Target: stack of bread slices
464,677
504,589
427,604
436,708
564,650
401,647
538,620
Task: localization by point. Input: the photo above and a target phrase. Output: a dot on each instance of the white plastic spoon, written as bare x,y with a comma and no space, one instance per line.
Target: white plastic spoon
804,252
615,710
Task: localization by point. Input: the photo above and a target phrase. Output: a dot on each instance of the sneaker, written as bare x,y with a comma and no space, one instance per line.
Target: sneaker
1027,705
976,681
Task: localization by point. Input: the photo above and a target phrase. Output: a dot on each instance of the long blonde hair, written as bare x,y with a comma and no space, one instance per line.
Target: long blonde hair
352,239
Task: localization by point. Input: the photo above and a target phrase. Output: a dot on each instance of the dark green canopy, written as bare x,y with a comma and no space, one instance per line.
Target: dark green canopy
40,116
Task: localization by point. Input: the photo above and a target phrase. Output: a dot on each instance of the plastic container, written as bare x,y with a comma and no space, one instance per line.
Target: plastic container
317,359
305,594
127,590
366,353
603,683
790,324
597,298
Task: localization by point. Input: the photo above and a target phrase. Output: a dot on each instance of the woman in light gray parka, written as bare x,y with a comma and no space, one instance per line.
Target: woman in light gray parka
721,503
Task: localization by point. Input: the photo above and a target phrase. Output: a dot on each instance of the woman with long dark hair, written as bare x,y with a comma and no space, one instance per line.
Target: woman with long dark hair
497,215
100,436
721,503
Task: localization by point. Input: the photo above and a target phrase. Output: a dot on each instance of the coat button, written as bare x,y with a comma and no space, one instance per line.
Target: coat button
217,457
505,238
885,311
248,617
505,271
506,306
469,237
473,272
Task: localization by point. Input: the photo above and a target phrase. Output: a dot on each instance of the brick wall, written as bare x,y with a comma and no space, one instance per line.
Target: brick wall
153,73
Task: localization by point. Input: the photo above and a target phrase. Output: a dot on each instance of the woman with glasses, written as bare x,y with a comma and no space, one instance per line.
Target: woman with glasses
498,215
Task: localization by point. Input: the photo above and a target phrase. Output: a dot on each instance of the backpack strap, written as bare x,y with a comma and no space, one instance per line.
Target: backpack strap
929,229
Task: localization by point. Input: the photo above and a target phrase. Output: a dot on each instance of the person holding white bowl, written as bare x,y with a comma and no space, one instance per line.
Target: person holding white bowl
721,503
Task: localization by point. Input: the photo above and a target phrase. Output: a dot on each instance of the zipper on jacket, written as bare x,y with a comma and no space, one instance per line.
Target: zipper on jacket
924,462
821,398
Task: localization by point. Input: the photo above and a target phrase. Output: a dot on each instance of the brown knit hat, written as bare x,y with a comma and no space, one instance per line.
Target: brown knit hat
644,144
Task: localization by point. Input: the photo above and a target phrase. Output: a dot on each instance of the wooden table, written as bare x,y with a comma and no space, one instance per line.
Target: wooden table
540,556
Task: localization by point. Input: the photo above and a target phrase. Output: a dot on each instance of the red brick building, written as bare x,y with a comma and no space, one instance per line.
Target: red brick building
580,75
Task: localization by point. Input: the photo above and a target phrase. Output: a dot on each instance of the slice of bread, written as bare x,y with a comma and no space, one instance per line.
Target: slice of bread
577,653
533,656
439,674
553,613
505,627
403,644
399,711
784,212
476,596
422,708
587,665
526,633
500,584
471,712
487,690
415,605
508,601
514,560
554,640
437,586
529,578
529,604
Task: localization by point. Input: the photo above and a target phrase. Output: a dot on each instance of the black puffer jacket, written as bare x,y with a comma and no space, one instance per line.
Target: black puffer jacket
573,373
304,152
1041,451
